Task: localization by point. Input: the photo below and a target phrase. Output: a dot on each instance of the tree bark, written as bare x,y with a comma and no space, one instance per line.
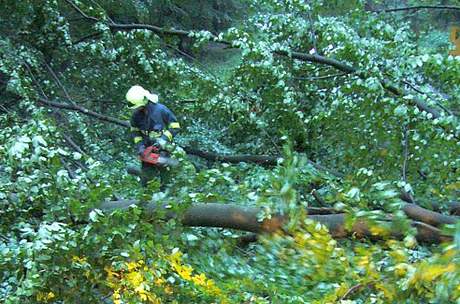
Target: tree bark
258,159
418,213
454,208
268,160
246,219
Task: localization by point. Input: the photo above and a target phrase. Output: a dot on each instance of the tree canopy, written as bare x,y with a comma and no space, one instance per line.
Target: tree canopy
319,152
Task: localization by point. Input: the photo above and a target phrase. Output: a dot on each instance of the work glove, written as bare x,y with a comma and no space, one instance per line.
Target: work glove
161,143
140,149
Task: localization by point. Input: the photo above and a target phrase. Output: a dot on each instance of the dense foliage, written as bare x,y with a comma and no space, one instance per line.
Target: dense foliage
238,88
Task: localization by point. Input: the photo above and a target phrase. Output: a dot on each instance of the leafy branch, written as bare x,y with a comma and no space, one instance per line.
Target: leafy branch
419,7
85,111
314,58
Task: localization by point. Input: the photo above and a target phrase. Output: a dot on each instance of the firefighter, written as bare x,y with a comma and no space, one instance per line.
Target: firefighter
152,125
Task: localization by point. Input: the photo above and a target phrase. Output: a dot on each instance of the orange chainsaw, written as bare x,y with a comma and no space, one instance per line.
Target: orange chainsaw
152,155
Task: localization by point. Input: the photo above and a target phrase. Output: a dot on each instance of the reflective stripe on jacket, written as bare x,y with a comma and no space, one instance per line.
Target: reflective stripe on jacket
156,121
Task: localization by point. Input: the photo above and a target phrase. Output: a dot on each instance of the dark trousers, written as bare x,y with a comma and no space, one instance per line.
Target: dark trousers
150,172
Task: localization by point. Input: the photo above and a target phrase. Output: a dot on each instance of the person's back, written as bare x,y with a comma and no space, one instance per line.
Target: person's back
152,124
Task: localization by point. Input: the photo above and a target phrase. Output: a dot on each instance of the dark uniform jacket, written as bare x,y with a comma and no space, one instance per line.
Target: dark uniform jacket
156,122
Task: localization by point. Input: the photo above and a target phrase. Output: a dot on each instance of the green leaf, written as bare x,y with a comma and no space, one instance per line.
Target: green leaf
401,110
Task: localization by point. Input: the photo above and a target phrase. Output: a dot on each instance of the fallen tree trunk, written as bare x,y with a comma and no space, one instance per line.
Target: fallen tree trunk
412,210
246,219
257,159
418,213
434,217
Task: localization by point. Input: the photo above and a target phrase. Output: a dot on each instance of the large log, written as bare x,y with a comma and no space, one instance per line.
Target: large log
412,210
418,213
246,219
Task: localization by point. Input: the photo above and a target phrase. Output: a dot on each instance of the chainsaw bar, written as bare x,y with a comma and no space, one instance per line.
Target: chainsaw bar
152,156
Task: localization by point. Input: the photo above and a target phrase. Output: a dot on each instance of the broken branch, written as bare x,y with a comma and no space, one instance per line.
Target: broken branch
84,111
344,67
418,7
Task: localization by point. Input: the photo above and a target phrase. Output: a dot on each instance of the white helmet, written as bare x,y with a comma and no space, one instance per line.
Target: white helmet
138,96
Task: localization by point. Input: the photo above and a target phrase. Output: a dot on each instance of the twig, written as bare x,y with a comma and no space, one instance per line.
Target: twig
83,167
97,4
81,12
92,35
315,58
276,146
312,31
106,296
422,174
355,288
318,198
72,143
133,26
405,152
322,77
5,109
69,170
413,87
29,70
56,78
84,111
418,7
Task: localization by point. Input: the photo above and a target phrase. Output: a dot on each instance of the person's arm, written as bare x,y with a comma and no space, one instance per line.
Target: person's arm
172,126
137,136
